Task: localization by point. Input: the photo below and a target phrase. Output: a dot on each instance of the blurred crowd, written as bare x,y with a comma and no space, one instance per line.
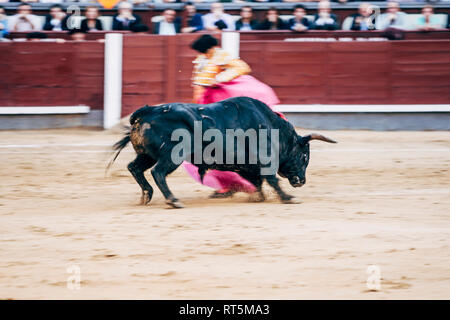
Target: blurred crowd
171,22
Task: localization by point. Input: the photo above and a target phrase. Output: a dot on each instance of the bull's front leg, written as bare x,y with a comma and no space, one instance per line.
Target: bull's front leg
137,169
257,181
163,168
274,183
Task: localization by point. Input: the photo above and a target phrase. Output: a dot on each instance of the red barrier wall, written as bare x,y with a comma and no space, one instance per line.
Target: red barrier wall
157,69
359,72
399,72
51,74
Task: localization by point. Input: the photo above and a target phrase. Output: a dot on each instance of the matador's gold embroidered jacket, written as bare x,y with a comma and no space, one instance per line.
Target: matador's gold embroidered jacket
219,68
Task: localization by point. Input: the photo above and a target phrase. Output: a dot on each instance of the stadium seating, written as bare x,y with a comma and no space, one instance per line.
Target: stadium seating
286,17
411,21
106,21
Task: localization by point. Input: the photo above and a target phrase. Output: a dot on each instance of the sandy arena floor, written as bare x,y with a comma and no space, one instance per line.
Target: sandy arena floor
376,198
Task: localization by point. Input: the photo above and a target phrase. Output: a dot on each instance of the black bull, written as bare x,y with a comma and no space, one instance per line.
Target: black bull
151,135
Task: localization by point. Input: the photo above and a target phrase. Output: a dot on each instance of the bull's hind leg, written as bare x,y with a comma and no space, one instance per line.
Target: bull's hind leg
274,183
137,169
163,168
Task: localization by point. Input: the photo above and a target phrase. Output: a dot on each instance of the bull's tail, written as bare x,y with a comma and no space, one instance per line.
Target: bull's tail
120,145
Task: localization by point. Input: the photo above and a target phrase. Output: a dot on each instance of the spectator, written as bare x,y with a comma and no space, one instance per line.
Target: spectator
324,19
362,20
217,19
393,18
77,34
170,25
56,20
92,22
139,29
24,20
246,22
194,21
300,23
272,21
125,18
3,23
427,20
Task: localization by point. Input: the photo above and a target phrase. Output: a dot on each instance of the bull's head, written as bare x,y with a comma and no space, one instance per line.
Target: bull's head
295,168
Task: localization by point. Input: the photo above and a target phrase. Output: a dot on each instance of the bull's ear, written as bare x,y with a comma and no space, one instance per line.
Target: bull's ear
316,136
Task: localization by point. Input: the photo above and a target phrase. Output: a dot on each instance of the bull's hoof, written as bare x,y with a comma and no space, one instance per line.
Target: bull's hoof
176,204
288,199
145,198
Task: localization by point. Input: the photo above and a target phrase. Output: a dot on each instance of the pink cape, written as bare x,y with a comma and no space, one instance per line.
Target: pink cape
220,179
246,86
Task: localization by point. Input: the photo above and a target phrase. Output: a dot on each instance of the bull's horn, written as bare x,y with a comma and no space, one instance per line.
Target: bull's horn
316,136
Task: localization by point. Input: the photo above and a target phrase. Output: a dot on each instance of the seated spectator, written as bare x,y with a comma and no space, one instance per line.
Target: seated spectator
272,21
427,20
170,25
393,18
324,19
77,35
300,23
217,19
3,23
362,20
24,20
139,29
125,18
92,22
194,21
56,20
246,22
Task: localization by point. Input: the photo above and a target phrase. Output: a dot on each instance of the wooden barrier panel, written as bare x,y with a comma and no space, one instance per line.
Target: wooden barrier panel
156,69
51,74
420,72
397,72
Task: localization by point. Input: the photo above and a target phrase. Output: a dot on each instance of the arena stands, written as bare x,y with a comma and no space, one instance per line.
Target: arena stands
204,15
